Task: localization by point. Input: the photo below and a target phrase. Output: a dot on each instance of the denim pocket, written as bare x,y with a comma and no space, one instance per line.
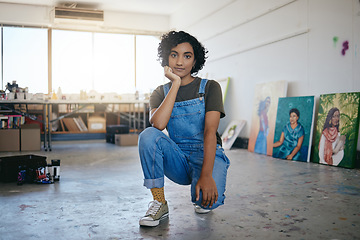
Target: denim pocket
188,125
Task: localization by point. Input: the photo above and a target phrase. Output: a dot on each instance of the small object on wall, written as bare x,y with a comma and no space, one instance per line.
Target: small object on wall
345,47
335,40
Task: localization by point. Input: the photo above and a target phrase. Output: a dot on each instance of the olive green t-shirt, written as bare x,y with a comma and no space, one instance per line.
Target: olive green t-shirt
213,97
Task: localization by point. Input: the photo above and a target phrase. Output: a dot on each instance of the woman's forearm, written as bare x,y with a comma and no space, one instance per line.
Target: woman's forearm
212,120
160,116
209,153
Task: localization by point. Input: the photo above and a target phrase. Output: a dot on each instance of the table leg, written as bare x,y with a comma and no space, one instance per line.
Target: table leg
45,126
49,128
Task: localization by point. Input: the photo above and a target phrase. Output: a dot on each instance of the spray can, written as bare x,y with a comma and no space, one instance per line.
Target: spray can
56,169
50,173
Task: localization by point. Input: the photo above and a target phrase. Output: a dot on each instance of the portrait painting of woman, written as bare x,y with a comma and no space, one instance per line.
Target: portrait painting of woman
294,127
291,138
263,119
337,130
331,145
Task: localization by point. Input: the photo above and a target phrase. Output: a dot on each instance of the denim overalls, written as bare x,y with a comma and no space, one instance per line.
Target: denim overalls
180,157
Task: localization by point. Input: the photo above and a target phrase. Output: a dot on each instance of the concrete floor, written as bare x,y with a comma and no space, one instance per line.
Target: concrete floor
100,196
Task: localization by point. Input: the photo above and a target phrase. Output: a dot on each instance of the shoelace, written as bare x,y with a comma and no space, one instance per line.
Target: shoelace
154,208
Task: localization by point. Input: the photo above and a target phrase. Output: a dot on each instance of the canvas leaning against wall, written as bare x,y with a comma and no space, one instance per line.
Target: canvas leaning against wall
224,84
264,116
337,130
231,132
294,128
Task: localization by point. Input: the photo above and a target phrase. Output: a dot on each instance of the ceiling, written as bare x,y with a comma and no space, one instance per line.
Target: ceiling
159,7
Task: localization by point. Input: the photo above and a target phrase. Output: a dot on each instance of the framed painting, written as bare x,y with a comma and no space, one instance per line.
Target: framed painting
231,132
294,128
264,116
337,130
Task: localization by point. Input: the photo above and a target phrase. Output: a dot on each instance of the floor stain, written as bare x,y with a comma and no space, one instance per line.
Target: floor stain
24,206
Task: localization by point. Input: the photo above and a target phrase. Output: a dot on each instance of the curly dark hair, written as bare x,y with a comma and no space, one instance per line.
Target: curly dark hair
328,123
296,111
172,39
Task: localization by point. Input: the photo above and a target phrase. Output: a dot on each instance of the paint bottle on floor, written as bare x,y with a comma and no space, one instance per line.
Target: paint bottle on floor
50,172
56,168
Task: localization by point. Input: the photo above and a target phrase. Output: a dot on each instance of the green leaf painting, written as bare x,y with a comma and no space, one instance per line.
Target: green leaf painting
348,106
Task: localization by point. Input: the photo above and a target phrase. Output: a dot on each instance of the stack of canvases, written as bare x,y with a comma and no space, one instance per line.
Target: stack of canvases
282,126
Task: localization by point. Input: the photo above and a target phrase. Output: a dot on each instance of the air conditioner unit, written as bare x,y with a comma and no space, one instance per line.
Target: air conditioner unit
79,14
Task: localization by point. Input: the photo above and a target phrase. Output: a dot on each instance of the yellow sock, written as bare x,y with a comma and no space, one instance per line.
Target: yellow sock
158,194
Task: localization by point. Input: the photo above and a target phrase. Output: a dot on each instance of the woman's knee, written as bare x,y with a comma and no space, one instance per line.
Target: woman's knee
149,135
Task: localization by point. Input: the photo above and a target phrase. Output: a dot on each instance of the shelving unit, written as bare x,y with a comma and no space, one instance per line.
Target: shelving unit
11,121
52,115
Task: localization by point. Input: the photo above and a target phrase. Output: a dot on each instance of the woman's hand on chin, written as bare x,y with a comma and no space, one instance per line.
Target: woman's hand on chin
171,76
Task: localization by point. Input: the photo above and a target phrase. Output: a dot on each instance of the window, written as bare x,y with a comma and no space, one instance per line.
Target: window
114,63
25,58
71,61
103,62
87,61
149,73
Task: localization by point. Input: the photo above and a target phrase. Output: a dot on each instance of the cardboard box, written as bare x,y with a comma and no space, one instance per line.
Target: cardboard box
35,107
96,124
30,139
9,140
126,139
111,130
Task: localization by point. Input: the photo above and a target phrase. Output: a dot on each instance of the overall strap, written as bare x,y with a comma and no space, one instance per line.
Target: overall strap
166,88
202,86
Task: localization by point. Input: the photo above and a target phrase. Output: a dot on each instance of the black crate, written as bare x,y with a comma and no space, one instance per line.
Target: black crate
9,166
111,130
110,137
117,129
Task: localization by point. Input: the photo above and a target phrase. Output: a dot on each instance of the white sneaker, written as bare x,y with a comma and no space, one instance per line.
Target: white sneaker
156,212
200,210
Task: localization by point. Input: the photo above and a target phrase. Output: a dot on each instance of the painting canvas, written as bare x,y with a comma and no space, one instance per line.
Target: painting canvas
231,132
264,116
337,130
224,84
294,128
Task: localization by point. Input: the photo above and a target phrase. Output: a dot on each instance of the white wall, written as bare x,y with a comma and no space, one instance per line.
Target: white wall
253,41
250,41
119,22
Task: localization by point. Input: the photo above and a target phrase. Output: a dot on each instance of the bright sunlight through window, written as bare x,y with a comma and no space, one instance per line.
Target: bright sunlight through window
25,58
87,61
